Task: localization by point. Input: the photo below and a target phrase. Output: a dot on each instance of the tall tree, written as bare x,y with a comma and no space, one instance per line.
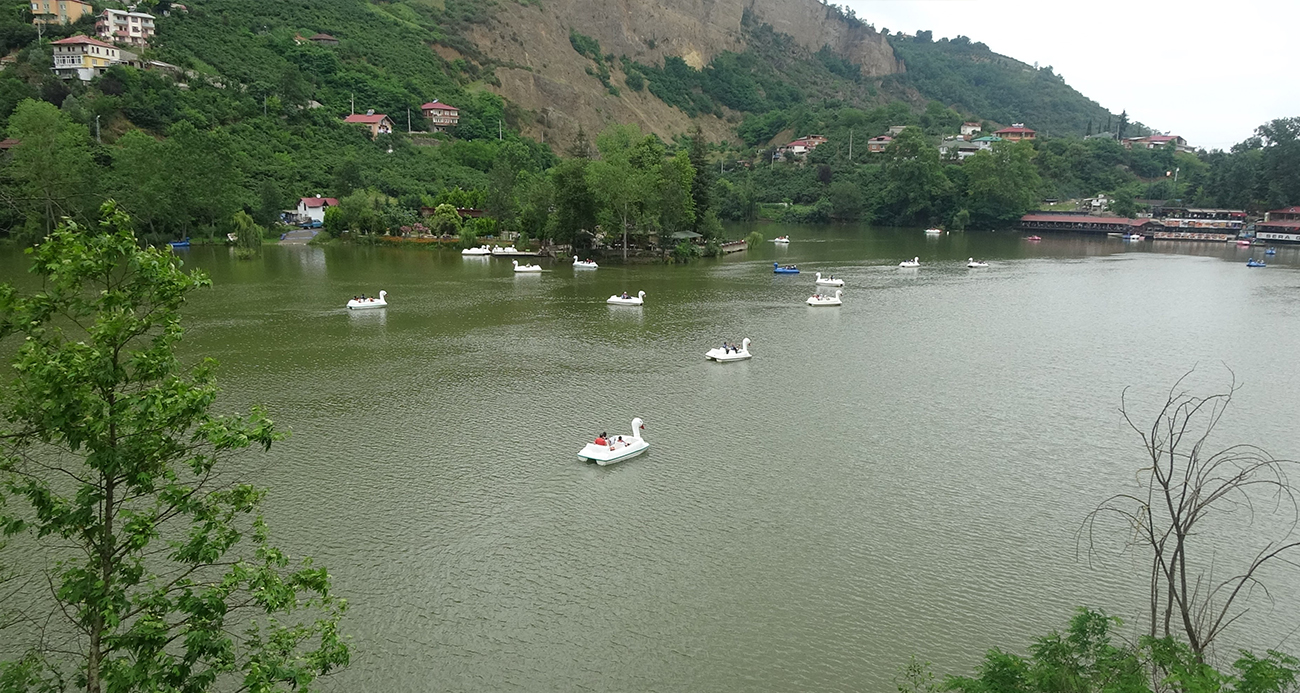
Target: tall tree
624,177
1001,184
575,203
160,565
51,169
701,181
914,190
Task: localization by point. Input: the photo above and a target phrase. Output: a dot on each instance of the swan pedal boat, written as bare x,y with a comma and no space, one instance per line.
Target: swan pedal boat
914,262
971,263
1255,263
778,269
525,268
819,300
481,250
618,300
1271,251
828,282
612,452
781,239
508,250
364,303
584,264
722,355
934,232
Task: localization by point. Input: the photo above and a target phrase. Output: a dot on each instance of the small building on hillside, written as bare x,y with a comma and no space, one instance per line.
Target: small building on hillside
1280,225
378,123
958,148
59,11
971,129
125,27
987,141
878,144
83,57
440,115
1016,133
801,146
323,40
311,210
894,130
1157,142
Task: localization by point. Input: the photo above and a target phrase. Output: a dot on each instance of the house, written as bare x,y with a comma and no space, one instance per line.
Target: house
877,145
1281,225
59,11
1016,133
1157,142
958,148
378,123
440,115
126,27
311,210
83,57
801,146
969,130
986,142
323,40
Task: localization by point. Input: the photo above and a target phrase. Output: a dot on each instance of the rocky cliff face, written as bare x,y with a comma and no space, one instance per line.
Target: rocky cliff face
548,77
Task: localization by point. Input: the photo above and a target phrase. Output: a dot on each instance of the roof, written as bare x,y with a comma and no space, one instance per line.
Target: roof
1162,138
321,37
318,202
987,138
1083,219
73,40
685,236
1014,131
1285,210
9,143
438,105
971,122
881,138
364,118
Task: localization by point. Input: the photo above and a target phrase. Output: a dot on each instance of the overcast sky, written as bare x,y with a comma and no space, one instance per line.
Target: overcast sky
1209,71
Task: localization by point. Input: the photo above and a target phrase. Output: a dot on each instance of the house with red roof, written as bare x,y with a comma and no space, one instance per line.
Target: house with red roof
878,144
312,209
1016,133
323,40
83,57
378,123
441,116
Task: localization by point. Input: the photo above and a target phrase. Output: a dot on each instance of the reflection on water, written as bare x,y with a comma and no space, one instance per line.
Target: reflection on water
901,475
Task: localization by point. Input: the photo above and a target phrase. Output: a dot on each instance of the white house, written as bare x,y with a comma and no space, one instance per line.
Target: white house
313,208
126,27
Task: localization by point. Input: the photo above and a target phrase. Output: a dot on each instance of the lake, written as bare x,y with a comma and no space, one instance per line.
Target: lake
902,475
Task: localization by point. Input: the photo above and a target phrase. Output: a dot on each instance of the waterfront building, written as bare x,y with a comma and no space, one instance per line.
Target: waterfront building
1280,225
1076,222
312,209
1226,220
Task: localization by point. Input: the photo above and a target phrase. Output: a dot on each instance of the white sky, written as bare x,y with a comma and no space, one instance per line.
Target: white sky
1209,71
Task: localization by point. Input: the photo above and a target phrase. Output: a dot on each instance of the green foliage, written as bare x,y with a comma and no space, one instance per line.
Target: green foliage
445,221
248,235
1001,185
915,190
51,169
585,46
111,448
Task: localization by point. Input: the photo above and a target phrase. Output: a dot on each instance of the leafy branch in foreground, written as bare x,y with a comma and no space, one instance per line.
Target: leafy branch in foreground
159,568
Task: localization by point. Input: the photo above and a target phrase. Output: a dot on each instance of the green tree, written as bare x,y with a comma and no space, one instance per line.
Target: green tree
701,181
1001,184
115,466
914,189
51,168
334,223
248,235
623,179
575,203
445,221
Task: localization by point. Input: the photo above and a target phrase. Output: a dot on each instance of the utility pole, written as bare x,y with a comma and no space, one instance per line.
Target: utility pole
850,146
498,129
97,139
353,99
408,120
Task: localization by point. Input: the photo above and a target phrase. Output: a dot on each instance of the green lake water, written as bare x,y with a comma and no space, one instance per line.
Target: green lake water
902,475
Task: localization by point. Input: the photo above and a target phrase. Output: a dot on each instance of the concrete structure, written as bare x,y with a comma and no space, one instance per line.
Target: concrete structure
83,57
960,149
312,209
378,123
1157,142
969,130
1016,133
59,11
122,26
440,115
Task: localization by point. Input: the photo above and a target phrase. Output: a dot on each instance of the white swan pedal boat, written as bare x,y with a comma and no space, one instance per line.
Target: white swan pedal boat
724,355
614,450
820,300
972,263
525,268
914,262
831,281
625,300
781,239
584,264
372,302
481,250
934,232
508,250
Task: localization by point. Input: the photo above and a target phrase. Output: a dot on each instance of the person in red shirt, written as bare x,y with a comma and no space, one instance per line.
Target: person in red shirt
600,439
